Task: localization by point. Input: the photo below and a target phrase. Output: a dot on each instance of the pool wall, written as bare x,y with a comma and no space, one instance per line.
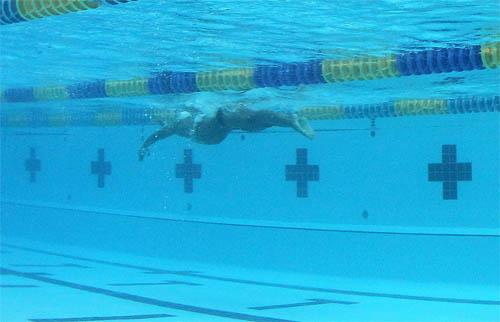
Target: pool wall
372,206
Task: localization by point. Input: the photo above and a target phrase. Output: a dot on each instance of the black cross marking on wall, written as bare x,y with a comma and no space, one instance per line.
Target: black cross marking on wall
100,168
449,172
188,171
33,165
302,173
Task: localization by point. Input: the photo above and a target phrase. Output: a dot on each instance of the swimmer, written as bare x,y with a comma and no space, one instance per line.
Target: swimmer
213,129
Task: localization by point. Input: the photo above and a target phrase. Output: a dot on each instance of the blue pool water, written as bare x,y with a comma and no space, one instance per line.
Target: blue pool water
386,215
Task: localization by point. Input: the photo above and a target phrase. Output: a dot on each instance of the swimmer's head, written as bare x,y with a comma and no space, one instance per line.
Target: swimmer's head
183,115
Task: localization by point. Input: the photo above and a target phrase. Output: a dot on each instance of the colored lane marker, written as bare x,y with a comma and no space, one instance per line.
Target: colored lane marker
32,273
50,265
158,283
106,318
302,173
143,299
308,303
162,271
188,171
261,283
17,286
449,172
100,168
32,165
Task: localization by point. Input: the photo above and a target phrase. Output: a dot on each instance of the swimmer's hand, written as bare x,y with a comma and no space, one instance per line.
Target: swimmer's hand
142,153
301,125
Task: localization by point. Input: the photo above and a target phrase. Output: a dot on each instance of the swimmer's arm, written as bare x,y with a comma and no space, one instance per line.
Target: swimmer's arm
161,134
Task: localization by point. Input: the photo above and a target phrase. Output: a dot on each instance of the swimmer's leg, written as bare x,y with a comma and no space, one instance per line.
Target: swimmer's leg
161,134
258,120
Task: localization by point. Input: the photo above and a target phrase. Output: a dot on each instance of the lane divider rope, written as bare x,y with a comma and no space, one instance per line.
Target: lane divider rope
14,11
152,116
443,60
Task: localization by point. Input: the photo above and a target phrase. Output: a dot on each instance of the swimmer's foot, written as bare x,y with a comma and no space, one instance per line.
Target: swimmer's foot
142,153
301,125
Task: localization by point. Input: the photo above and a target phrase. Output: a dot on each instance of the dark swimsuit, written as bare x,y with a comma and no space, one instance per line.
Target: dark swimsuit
211,130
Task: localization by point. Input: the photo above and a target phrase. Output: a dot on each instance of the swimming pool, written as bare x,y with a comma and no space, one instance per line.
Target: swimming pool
391,213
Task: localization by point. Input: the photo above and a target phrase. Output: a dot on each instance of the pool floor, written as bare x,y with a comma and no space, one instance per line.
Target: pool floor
49,283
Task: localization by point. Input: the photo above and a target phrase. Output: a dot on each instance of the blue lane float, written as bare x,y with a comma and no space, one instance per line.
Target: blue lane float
152,116
14,11
442,60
